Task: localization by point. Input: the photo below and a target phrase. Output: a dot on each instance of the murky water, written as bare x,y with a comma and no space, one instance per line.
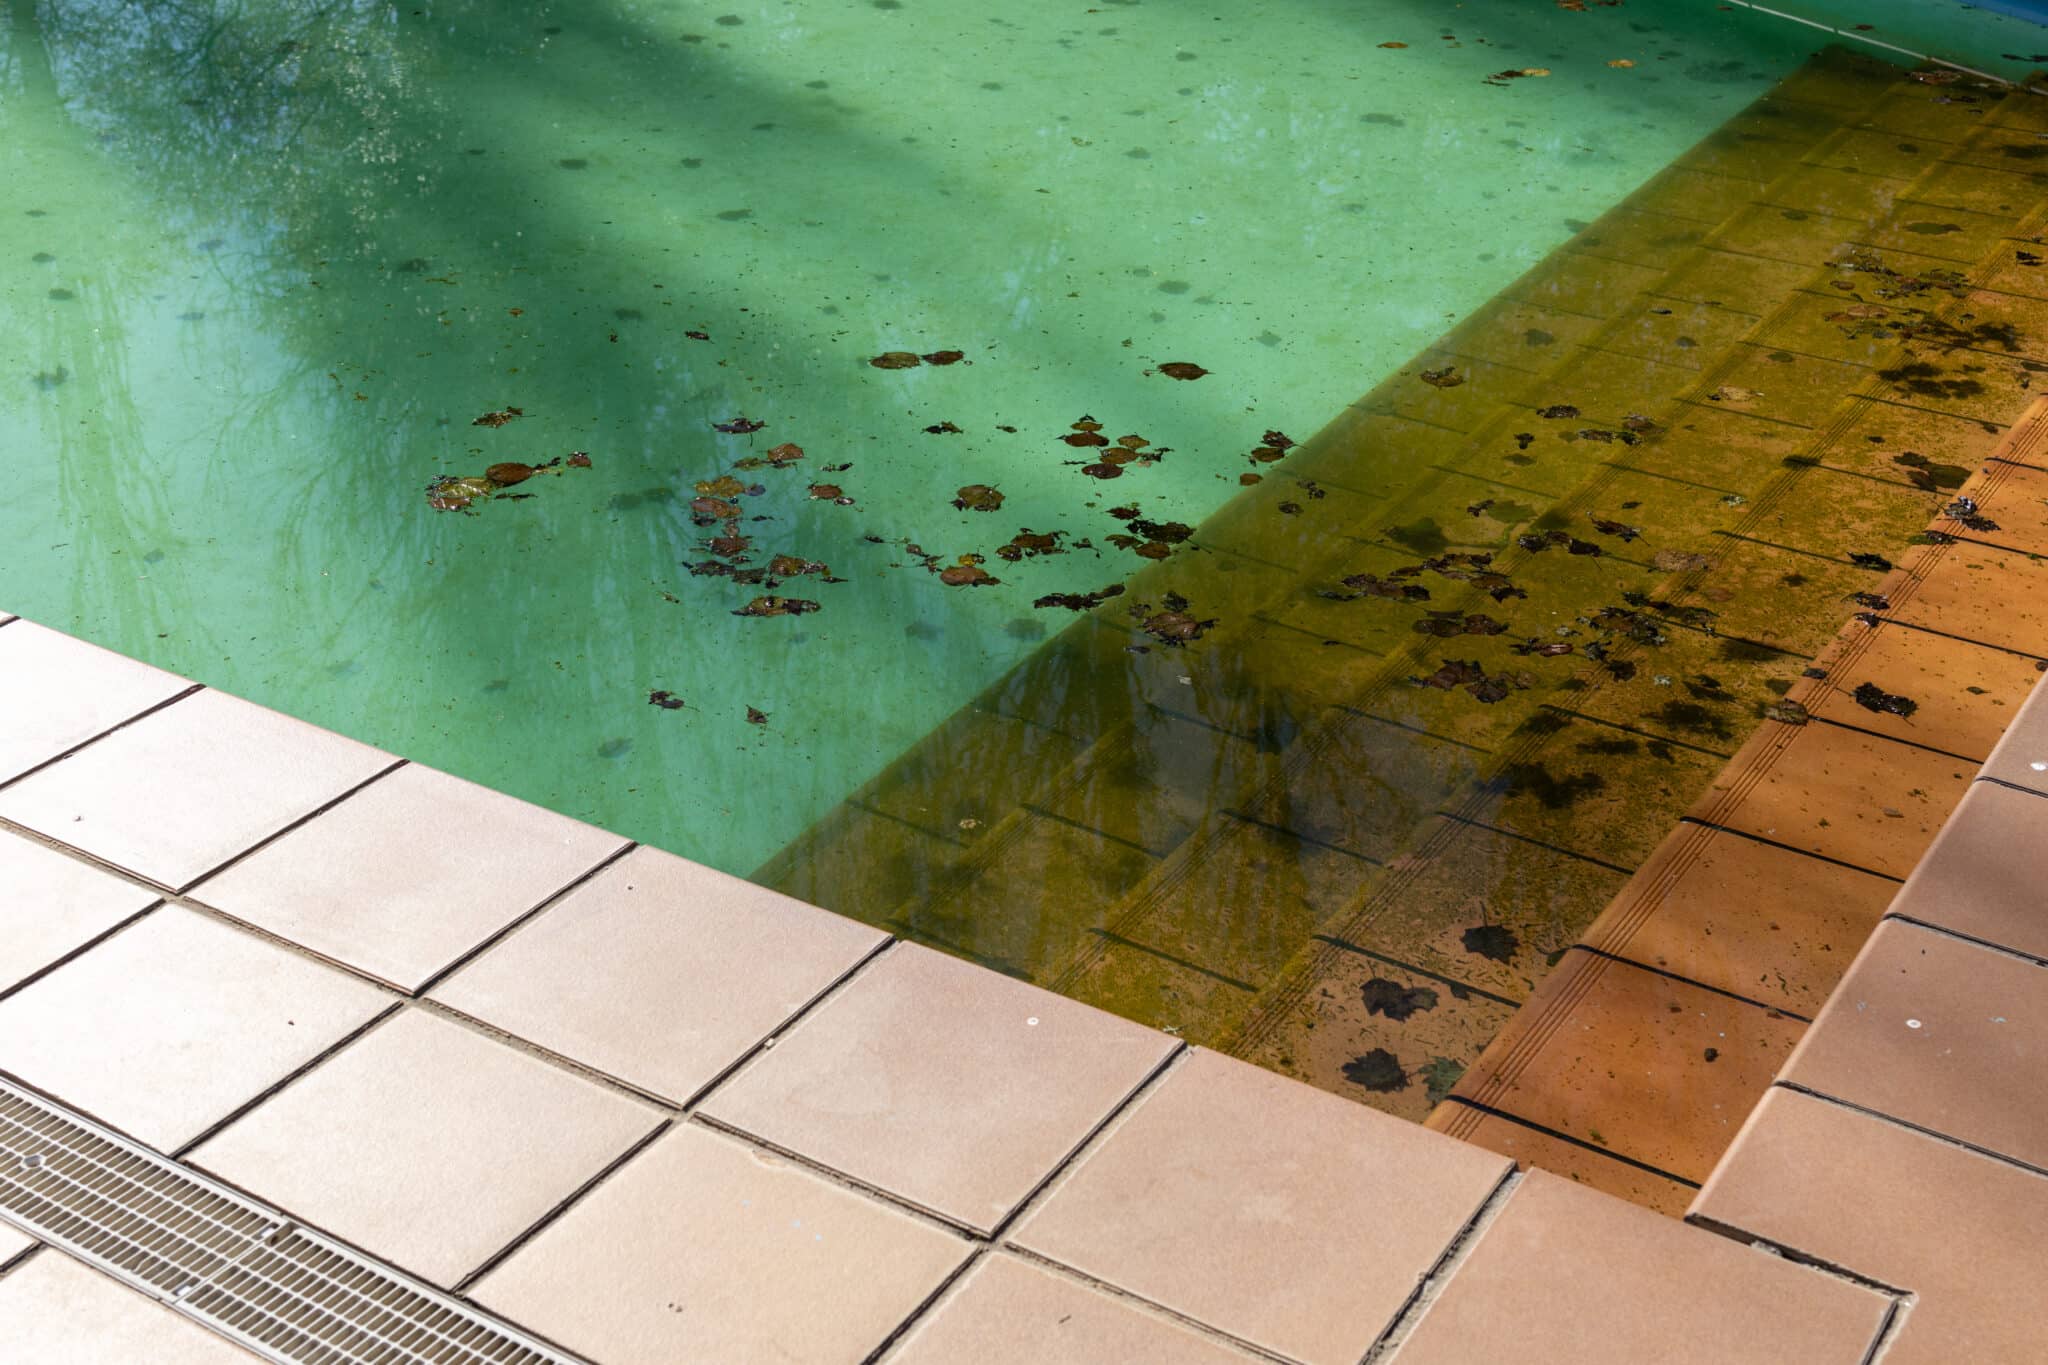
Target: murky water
267,266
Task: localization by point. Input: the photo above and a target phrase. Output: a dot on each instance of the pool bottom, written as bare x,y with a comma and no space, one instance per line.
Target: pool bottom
1461,661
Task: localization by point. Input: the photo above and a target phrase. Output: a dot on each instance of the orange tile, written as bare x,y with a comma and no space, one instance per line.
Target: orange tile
1939,1033
1532,1148
1960,1231
2012,509
1840,793
1983,876
1564,1276
1646,1066
1962,694
1748,917
1975,592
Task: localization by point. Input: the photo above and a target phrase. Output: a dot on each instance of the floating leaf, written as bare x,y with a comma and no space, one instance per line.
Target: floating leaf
1080,601
897,360
498,418
666,700
739,426
510,472
1181,369
756,716
777,606
943,357
1446,378
978,497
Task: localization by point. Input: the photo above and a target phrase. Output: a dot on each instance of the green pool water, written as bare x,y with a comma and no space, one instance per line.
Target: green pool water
262,265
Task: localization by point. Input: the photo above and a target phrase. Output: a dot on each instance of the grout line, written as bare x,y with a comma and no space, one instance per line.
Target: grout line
2031,959
213,1129
1776,1010
1893,739
1457,987
1115,1291
305,819
1439,1276
520,921
1895,1121
1889,1331
87,743
81,950
1473,822
1786,1251
2009,786
1496,1112
945,1290
1559,709
1789,848
1966,639
492,1261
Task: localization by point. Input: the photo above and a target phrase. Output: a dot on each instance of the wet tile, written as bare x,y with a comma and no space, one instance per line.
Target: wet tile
2006,324
1773,383
58,692
1640,236
1569,1277
1835,516
1983,874
1607,386
947,1085
408,874
2013,500
1962,695
59,1311
1717,447
1007,1311
1383,1034
1338,1210
53,904
1788,235
1729,912
860,863
172,1024
1762,142
1575,283
1934,1031
1522,335
1481,387
1678,332
1011,759
1980,189
1958,1230
1853,797
1932,113
1931,451
388,1142
1642,1065
1981,385
1751,285
1951,233
1703,195
223,775
697,967
1818,323
1875,151
700,1249
1859,195
1533,1149
1364,785
1976,593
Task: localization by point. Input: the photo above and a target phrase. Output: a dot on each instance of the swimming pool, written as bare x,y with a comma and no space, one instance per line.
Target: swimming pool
690,279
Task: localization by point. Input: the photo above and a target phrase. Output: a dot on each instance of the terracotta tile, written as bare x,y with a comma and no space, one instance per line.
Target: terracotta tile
1565,1276
408,874
699,1249
58,692
59,1311
1976,593
52,904
697,967
1695,194
1980,189
1761,921
1767,382
389,1143
1983,875
175,1022
1533,1149
1793,236
1958,1230
2014,498
945,1084
1932,1030
1746,284
177,794
1857,798
1963,694
1280,1215
1955,234
1652,1068
1007,1311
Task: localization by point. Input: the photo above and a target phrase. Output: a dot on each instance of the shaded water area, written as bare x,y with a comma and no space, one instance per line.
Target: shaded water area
680,414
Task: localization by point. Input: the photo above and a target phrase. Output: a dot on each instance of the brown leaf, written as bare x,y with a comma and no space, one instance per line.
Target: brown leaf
896,360
498,418
1181,369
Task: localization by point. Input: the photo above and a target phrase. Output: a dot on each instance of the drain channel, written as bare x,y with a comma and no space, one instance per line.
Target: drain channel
229,1263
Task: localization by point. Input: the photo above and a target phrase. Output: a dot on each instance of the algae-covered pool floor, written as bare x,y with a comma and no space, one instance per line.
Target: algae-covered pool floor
1480,642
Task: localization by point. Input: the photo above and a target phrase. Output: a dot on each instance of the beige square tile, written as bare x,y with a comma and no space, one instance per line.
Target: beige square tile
181,792
1007,1311
408,874
13,1241
1984,873
1960,1231
1278,1214
1935,1031
50,904
2021,757
1566,1276
700,1249
427,1143
57,1311
946,1084
57,692
660,972
175,1022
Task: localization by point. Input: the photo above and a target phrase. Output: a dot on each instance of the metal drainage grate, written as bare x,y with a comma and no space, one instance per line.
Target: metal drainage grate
225,1261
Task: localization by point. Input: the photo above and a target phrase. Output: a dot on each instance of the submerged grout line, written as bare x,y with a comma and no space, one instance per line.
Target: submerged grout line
1474,822
1895,1121
87,743
1439,1276
1789,848
1347,946
1624,1158
1892,739
1670,975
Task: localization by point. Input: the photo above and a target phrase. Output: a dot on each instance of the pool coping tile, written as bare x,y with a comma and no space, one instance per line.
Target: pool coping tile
59,692
1982,876
61,1311
54,904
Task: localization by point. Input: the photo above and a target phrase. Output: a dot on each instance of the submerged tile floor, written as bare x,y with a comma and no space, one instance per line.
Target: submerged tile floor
661,1115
